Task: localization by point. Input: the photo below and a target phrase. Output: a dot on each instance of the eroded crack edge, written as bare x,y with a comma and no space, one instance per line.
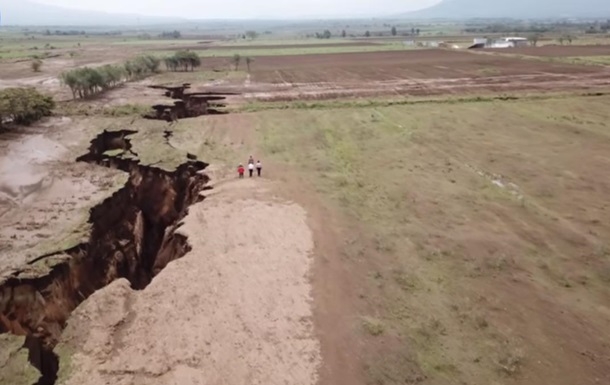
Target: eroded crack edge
134,236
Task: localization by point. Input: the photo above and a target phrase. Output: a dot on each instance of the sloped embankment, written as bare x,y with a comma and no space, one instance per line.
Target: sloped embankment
134,236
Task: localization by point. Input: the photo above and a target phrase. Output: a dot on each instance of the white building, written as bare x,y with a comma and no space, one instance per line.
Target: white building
510,42
503,42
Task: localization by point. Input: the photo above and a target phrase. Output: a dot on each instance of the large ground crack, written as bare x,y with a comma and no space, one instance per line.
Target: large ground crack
134,236
188,104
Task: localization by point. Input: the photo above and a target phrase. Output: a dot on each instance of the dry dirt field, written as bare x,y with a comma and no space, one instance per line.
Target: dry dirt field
420,64
560,50
439,220
274,46
412,72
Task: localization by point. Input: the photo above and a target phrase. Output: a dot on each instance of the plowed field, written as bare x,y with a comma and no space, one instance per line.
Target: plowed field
415,72
560,50
423,64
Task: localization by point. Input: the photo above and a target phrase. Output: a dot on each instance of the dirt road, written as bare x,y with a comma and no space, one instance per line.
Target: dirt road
235,310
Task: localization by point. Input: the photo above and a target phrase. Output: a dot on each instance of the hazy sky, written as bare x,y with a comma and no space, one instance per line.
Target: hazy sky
204,9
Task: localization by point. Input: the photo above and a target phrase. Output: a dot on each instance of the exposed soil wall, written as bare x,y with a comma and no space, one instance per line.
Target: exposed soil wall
188,105
133,236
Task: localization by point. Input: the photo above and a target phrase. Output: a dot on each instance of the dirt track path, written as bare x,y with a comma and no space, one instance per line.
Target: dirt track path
235,310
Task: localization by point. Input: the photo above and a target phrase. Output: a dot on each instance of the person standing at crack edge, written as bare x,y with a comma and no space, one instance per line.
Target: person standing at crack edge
259,167
251,168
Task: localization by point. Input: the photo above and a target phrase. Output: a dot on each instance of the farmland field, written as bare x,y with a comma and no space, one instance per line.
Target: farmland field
561,50
424,216
413,72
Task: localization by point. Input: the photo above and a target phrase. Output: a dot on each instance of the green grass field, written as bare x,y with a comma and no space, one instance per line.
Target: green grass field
423,189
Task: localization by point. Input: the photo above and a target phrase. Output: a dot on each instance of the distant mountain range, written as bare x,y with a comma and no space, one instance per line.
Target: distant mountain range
27,12
522,9
24,12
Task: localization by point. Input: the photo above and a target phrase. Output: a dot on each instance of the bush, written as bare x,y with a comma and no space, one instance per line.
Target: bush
36,64
24,105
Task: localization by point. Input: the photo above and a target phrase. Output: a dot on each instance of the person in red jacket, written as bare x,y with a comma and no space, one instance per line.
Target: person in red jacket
241,170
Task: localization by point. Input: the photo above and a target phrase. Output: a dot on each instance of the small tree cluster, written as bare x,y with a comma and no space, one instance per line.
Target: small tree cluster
170,35
24,105
236,60
534,39
566,38
86,82
324,35
182,61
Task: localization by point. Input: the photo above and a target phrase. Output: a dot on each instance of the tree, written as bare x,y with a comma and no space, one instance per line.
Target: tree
417,31
252,34
86,82
394,32
324,35
249,61
171,35
236,61
367,34
182,60
534,39
24,106
343,34
561,40
36,64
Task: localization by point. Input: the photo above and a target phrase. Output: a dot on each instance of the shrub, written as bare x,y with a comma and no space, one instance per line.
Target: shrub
36,64
24,105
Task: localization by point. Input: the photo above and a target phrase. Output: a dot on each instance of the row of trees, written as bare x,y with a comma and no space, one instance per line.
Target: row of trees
24,106
86,82
566,39
182,61
324,35
414,32
394,32
603,27
170,35
237,61
189,60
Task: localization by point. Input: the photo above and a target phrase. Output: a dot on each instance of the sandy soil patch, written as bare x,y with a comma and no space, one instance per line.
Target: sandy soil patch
236,310
44,194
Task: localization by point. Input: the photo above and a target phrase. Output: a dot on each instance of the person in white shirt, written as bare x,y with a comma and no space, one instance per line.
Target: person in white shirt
250,168
259,167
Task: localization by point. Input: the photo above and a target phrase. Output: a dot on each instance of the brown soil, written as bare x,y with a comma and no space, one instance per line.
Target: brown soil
416,72
239,307
388,66
244,299
559,50
131,234
266,47
44,194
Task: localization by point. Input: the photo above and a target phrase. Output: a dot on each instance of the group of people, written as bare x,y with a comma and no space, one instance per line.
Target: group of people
251,166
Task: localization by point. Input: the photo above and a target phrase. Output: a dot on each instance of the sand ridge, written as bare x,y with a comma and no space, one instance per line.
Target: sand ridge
235,310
